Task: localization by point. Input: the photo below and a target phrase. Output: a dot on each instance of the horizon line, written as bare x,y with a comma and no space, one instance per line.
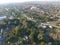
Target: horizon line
27,2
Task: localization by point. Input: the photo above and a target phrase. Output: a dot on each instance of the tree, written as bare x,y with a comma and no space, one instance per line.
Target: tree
49,43
42,43
40,36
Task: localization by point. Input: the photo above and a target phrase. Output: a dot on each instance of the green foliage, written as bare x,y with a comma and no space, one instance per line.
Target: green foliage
42,43
40,36
22,26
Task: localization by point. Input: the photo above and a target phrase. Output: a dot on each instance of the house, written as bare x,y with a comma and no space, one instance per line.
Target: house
25,37
1,31
6,9
50,26
11,17
8,42
33,7
3,17
46,24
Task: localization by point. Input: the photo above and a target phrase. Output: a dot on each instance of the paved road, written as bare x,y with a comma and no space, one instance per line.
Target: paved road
51,25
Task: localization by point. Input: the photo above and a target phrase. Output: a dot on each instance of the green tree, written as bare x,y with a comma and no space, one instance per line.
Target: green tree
40,36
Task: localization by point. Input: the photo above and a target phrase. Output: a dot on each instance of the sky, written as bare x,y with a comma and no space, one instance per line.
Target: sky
13,1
